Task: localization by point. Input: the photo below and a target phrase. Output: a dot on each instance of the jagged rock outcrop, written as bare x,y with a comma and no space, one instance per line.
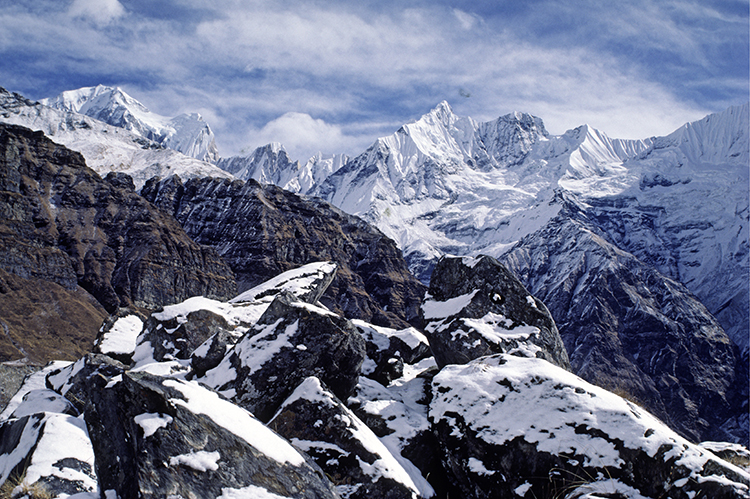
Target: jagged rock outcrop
156,437
261,231
476,307
360,466
388,350
291,341
63,224
202,330
503,425
632,330
521,427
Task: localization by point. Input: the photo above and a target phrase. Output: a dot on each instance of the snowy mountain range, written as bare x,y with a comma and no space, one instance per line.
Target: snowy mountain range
270,164
186,133
447,184
620,263
105,147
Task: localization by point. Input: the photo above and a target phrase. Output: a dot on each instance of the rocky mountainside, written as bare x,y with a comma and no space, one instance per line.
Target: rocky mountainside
262,230
106,148
630,329
186,133
172,417
87,245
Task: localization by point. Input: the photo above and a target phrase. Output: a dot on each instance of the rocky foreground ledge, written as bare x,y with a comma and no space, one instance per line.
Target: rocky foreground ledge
271,395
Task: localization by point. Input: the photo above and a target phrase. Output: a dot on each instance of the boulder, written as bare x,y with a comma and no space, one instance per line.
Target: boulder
118,334
512,426
360,466
177,339
291,341
202,330
389,349
397,414
45,450
476,307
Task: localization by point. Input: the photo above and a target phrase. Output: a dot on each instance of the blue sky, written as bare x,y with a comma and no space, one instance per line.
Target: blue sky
334,75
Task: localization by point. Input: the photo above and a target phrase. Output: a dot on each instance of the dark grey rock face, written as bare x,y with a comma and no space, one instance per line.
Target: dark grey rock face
62,223
347,451
262,231
634,331
11,379
476,307
159,437
291,341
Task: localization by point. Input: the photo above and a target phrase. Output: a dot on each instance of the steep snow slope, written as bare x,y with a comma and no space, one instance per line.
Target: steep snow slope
186,133
105,147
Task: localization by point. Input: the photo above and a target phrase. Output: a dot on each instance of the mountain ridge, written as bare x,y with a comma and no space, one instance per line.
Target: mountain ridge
186,133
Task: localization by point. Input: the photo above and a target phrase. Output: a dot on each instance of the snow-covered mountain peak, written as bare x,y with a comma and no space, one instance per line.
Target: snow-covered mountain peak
104,102
268,164
186,133
105,147
594,156
443,113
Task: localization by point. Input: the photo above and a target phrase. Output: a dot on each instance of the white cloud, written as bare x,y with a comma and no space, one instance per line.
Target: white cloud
303,136
100,12
467,21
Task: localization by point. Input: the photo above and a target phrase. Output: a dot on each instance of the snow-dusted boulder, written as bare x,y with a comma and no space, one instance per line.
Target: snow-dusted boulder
46,453
314,420
524,427
290,342
397,414
117,336
202,329
44,447
174,338
157,436
476,307
389,349
307,282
